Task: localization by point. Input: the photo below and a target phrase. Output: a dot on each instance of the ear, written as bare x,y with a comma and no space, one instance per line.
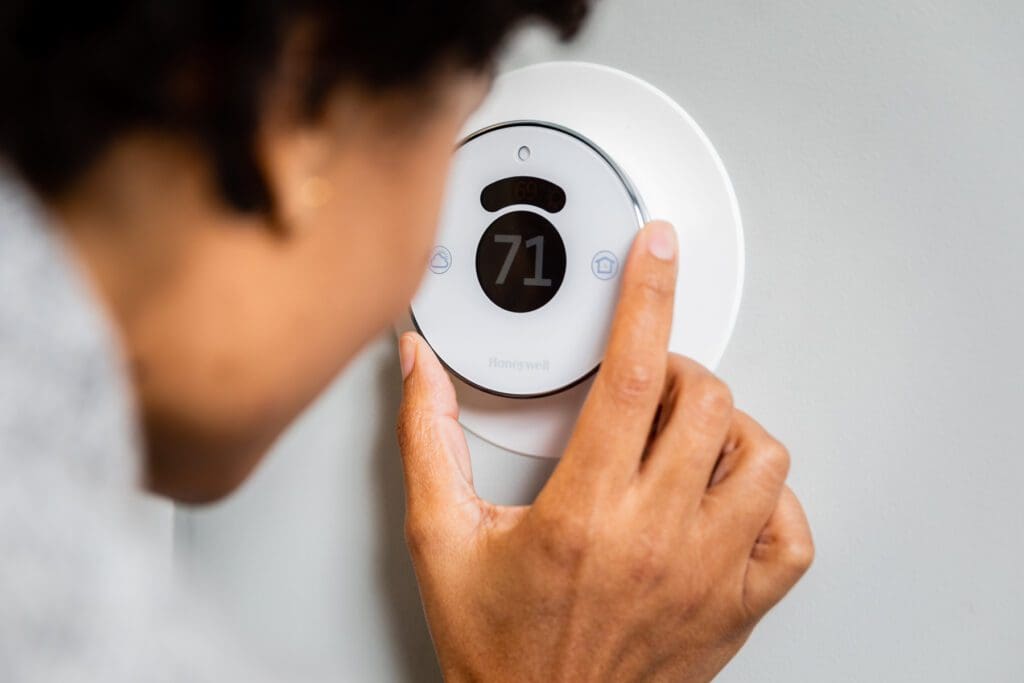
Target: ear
291,147
293,160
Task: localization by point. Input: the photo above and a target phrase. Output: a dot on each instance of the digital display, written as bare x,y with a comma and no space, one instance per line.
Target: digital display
523,190
520,261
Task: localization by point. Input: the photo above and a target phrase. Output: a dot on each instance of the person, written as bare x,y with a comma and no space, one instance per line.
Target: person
207,210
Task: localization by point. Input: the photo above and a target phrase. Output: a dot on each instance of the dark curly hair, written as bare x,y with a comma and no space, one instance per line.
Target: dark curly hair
76,76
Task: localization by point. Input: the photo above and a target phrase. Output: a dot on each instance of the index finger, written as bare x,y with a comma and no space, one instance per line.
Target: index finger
615,423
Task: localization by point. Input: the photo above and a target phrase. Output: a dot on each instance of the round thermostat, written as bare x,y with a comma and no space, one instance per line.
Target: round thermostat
553,177
534,227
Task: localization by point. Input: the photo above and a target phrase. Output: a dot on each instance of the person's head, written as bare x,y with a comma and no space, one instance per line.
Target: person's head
252,186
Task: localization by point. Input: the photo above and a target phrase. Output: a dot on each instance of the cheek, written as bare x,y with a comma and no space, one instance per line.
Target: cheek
415,230
412,257
384,222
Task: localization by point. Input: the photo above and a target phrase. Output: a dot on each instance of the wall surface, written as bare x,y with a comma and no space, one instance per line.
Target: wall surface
877,152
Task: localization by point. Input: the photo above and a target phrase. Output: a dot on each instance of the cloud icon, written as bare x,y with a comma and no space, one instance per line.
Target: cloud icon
441,261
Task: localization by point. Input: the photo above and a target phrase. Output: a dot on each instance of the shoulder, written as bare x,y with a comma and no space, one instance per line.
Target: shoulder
63,392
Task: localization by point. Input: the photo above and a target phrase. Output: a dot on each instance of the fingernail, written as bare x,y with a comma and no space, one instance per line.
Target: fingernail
406,354
661,240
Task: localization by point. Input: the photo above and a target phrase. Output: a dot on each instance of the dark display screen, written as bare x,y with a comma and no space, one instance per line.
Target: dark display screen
520,261
523,190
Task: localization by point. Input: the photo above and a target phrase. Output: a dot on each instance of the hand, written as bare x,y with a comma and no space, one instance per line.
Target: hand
664,535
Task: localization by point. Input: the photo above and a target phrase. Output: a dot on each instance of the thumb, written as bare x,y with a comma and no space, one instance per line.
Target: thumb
438,474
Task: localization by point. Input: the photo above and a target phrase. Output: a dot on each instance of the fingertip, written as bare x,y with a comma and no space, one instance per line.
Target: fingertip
654,258
407,345
660,240
426,382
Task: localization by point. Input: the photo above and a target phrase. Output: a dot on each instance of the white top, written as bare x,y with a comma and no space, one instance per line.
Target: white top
85,589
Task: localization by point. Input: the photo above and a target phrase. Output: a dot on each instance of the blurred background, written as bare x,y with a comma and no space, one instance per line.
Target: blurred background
876,150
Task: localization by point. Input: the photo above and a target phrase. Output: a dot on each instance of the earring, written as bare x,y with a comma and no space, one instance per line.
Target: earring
314,192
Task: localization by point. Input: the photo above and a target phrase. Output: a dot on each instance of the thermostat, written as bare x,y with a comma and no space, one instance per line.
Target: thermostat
554,176
532,236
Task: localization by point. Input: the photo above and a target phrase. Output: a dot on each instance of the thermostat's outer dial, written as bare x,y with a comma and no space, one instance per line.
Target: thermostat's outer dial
672,164
536,224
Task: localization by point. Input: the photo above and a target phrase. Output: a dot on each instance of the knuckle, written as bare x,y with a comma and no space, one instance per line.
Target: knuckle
566,539
650,561
648,570
775,459
677,365
712,399
630,383
799,555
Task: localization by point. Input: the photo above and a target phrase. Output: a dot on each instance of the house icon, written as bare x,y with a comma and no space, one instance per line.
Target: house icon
605,265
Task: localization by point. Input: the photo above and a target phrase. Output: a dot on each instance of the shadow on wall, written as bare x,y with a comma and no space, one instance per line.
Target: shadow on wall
406,620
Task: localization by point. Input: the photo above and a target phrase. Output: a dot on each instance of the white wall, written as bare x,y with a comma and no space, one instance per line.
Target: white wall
877,151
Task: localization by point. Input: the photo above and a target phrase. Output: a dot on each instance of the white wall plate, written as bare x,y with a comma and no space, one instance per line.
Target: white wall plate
557,170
